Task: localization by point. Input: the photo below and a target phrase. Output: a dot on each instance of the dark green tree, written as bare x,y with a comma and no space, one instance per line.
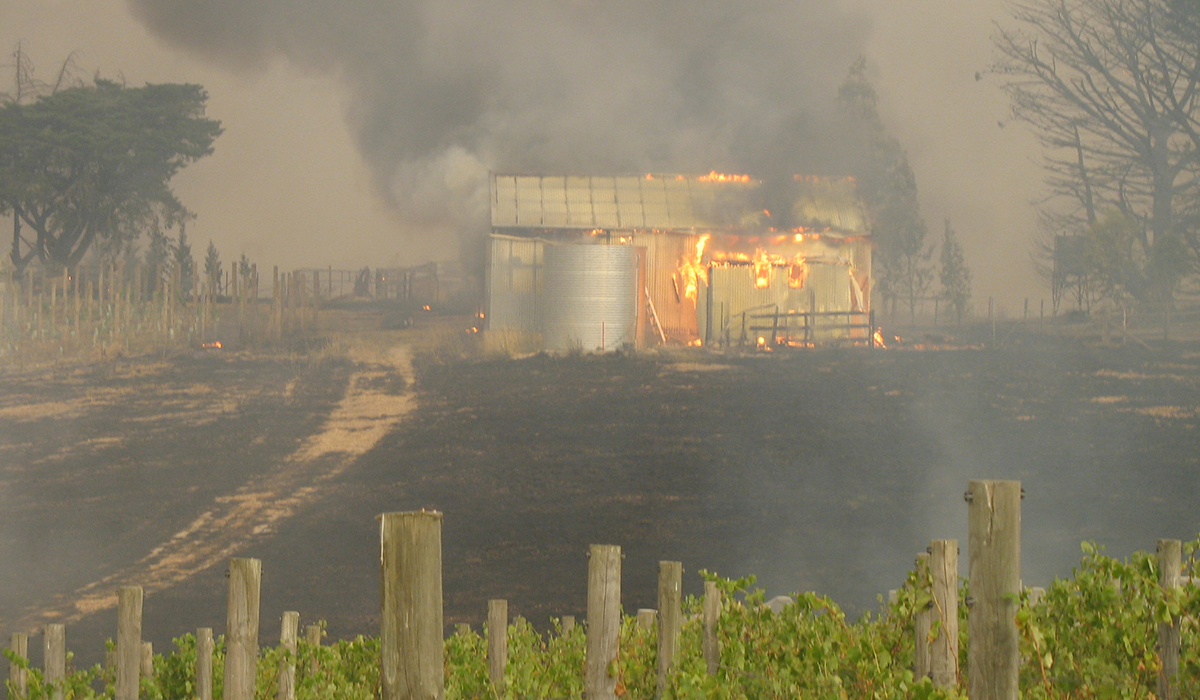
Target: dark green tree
158,258
954,275
94,163
901,263
212,268
185,263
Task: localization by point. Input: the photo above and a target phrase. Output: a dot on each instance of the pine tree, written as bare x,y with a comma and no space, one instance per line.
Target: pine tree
903,267
212,268
955,276
186,265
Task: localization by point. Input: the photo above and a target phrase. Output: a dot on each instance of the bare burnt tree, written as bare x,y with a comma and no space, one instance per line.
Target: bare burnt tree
1111,93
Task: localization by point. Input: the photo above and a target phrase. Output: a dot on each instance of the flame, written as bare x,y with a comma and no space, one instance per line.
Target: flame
762,269
879,338
693,272
715,176
215,345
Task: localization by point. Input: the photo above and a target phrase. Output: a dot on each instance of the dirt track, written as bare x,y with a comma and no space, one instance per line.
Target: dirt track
819,470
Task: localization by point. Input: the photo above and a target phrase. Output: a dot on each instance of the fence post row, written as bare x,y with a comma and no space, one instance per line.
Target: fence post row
670,618
18,675
410,641
497,639
55,659
288,633
129,641
241,628
603,620
712,611
994,523
204,663
923,620
943,568
1170,562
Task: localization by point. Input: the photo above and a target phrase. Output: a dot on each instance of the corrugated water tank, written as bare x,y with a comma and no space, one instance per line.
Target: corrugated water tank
589,297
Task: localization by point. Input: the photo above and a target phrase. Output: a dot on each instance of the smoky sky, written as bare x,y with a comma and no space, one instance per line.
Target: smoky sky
441,92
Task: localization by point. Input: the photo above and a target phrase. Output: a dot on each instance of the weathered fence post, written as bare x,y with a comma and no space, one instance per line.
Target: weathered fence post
129,641
54,663
646,617
1169,572
312,635
943,569
241,628
603,620
670,617
18,675
147,665
568,624
994,519
289,630
923,621
411,637
204,663
497,639
712,611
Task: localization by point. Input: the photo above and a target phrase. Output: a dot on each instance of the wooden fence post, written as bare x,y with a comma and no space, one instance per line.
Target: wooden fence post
241,628
712,611
54,663
603,620
994,520
147,665
288,632
943,568
129,641
497,639
923,621
670,618
646,617
411,637
568,624
204,663
1170,560
17,674
312,635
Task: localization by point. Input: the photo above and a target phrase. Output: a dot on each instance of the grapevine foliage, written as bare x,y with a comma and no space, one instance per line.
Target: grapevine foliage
1093,635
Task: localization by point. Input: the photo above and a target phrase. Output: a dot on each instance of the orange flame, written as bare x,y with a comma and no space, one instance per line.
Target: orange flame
693,272
762,269
715,176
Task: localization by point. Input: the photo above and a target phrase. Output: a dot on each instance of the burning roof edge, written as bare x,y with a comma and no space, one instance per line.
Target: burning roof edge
711,202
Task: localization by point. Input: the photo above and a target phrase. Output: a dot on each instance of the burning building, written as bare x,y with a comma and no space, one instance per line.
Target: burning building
601,262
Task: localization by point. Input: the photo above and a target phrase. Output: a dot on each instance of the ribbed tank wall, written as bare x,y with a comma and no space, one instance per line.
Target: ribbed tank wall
590,297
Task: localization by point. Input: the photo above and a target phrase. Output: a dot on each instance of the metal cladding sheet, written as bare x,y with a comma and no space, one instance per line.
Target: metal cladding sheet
514,282
590,297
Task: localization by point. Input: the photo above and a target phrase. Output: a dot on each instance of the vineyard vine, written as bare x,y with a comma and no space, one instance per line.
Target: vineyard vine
1091,636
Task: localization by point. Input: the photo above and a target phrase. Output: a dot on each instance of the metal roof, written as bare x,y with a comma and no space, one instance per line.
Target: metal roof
665,202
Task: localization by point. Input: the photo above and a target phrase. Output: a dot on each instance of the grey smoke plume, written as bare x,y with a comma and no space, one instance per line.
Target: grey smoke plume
441,92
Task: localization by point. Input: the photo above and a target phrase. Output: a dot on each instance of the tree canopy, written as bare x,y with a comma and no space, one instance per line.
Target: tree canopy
901,260
93,163
1112,91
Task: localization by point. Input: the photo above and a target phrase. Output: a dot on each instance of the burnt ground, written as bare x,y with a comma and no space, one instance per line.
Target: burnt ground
818,470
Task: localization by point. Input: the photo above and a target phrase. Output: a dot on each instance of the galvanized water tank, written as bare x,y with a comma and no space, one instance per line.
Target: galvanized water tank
590,297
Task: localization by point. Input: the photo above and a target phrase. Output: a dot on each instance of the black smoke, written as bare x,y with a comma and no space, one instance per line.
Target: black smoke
441,92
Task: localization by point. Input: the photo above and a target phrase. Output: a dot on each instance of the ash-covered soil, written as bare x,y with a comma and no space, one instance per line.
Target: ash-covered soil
819,470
